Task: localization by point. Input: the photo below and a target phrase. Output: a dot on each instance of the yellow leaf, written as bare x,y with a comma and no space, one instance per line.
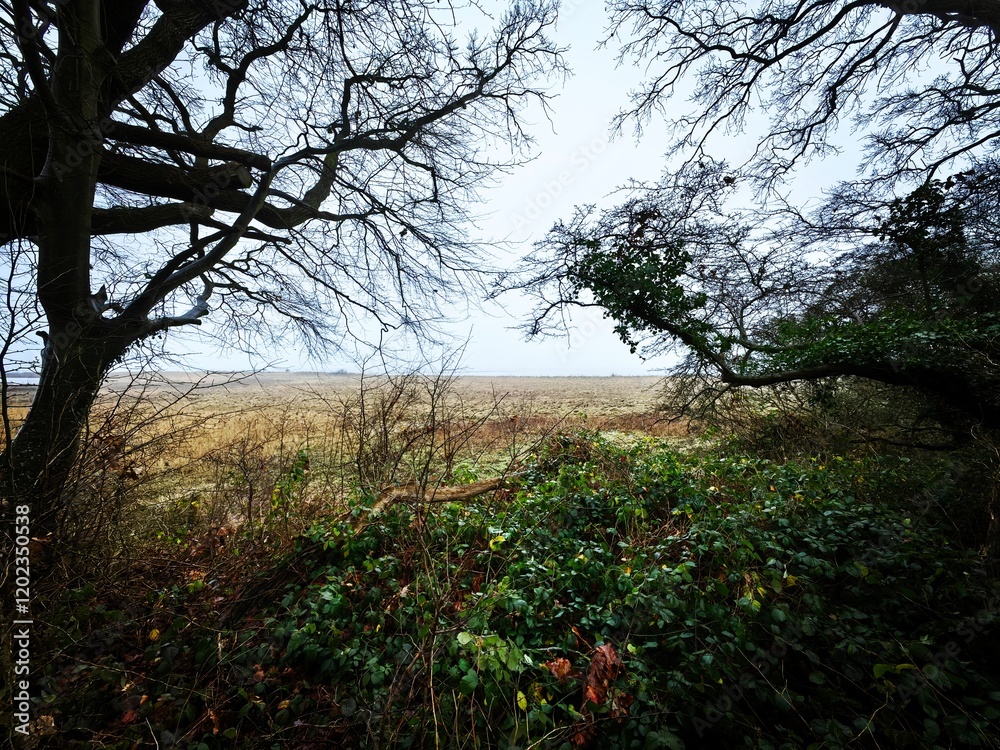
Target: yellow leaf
496,541
154,634
284,704
522,700
790,580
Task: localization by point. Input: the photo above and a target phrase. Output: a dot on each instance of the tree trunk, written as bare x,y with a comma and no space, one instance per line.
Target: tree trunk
81,345
37,465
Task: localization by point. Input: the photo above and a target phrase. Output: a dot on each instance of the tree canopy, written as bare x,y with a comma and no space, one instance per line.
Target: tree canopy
307,151
272,161
891,278
919,78
913,305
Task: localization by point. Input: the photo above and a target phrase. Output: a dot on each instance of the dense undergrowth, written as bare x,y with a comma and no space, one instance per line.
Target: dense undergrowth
614,595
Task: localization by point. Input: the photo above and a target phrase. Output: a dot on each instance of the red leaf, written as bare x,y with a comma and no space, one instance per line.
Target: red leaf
584,734
592,694
605,666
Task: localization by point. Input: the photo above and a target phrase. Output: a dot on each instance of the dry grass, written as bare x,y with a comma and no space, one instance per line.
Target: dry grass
286,411
183,456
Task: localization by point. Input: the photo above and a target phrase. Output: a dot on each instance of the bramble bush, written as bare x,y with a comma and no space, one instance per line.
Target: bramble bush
619,595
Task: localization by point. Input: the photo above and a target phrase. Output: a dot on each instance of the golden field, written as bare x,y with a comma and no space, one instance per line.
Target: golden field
311,406
599,397
209,450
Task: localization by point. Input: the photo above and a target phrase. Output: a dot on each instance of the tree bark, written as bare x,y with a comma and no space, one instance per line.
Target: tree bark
80,345
37,465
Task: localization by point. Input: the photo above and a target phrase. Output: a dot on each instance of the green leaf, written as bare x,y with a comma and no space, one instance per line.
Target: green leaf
348,707
931,729
469,682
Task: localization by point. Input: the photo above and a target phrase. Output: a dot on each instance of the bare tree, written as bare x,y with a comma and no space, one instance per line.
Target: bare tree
920,77
291,160
20,307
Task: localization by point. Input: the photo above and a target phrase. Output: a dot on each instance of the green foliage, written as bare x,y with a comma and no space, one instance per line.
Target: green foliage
752,604
638,282
924,256
904,339
903,293
913,298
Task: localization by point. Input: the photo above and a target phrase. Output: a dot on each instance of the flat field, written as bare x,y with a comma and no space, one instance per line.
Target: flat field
601,402
308,406
176,433
598,398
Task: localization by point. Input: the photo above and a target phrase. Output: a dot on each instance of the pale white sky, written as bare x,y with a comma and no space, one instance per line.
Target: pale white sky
576,163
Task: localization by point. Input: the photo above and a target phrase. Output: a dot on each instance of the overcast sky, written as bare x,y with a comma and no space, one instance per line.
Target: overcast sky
576,163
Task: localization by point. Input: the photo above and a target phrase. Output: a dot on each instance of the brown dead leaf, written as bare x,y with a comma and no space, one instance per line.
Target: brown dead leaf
561,669
620,703
585,733
605,665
